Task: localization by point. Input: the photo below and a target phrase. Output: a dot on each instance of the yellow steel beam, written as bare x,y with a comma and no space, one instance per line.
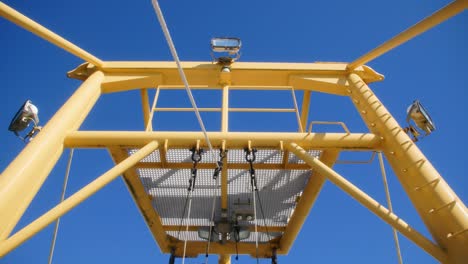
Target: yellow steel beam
145,106
233,166
307,200
225,109
260,228
142,199
21,180
439,207
194,248
32,26
75,199
224,259
370,204
93,139
305,109
438,17
214,109
271,76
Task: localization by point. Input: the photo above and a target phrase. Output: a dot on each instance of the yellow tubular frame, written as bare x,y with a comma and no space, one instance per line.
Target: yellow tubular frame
442,211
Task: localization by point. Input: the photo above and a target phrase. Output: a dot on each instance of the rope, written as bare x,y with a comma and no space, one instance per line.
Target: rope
170,43
64,188
186,227
211,225
389,202
298,116
255,223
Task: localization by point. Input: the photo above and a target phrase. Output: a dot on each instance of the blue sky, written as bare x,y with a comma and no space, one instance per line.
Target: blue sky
107,228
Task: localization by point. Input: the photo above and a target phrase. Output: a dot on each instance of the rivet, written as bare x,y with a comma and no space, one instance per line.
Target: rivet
392,152
372,124
405,170
364,111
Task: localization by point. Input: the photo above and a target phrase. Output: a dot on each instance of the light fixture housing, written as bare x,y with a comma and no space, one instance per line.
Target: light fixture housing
27,114
230,46
204,233
421,118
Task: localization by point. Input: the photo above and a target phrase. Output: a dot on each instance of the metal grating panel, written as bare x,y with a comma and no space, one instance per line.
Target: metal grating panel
266,156
279,190
153,157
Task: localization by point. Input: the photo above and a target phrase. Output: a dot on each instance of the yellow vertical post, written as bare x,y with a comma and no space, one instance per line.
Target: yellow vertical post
145,106
442,211
21,180
224,129
305,108
224,259
225,110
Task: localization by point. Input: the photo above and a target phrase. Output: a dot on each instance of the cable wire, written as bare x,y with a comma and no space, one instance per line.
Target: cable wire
389,202
171,45
64,188
211,224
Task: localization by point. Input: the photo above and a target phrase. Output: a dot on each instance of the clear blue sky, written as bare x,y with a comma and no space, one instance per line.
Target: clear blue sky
108,228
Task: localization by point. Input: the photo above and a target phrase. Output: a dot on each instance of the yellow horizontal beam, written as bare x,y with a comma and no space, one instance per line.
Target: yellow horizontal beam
34,27
72,201
371,204
260,228
194,248
438,17
205,109
244,75
232,166
93,139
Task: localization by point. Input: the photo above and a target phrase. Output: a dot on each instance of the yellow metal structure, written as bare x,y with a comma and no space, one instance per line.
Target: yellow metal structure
442,211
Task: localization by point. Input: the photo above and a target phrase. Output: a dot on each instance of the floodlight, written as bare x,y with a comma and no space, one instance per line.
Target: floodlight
204,233
240,233
228,45
27,114
421,118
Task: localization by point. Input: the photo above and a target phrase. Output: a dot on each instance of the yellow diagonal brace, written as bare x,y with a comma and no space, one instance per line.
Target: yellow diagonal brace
370,204
21,180
30,25
438,17
69,203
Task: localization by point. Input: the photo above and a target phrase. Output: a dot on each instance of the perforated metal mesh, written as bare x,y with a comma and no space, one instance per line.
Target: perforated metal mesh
279,190
155,156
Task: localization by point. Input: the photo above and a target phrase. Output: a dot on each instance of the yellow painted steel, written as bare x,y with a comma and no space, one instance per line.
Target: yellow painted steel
305,108
225,109
438,17
323,77
75,199
142,199
30,25
145,107
224,259
306,202
21,180
442,211
439,207
93,139
370,204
